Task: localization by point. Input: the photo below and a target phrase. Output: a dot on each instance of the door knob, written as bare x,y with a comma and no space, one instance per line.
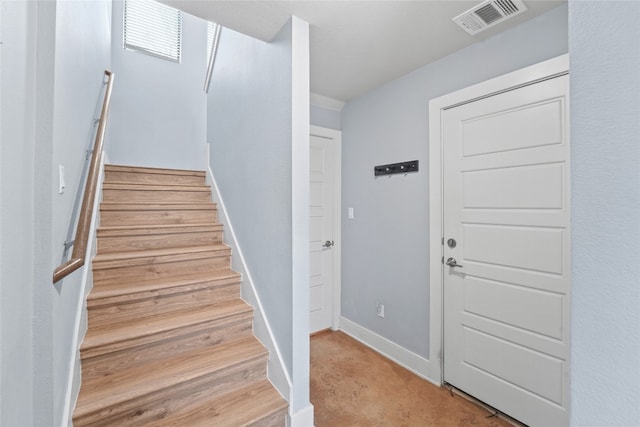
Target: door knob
328,244
451,262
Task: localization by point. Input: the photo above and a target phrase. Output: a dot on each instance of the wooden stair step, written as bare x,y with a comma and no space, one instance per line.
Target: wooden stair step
158,263
142,237
132,306
119,292
117,336
153,391
113,214
256,404
114,173
142,193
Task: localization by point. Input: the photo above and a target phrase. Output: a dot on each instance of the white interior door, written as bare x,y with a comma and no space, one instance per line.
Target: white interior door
506,205
322,239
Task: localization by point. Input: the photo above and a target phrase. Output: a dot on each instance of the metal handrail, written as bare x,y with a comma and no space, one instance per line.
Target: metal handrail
77,259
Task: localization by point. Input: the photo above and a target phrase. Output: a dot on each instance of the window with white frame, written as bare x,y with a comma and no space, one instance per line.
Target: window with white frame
153,28
211,32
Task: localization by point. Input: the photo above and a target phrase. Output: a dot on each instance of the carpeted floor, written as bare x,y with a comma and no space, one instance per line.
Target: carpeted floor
352,385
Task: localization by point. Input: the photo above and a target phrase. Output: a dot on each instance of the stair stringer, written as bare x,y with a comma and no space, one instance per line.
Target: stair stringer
276,370
80,325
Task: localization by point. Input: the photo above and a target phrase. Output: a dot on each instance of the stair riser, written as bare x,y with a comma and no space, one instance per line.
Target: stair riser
177,343
169,216
135,309
175,287
107,244
277,419
154,196
162,404
152,178
160,269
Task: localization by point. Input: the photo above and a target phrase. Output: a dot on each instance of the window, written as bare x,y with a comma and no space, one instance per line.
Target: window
211,32
152,28
213,35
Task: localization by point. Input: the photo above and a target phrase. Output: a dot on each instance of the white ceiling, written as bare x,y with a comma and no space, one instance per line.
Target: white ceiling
358,45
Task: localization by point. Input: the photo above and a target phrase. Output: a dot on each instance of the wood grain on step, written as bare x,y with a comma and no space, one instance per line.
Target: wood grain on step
120,193
146,176
187,300
152,170
114,293
129,391
118,239
173,262
256,404
102,339
112,214
199,337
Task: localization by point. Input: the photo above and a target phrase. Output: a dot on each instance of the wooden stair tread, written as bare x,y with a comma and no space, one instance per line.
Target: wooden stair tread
244,406
146,169
147,253
155,187
160,226
149,285
112,231
155,324
119,206
128,384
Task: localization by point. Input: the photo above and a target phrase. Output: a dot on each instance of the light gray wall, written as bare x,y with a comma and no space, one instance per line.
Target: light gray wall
326,117
258,131
605,160
158,115
249,130
385,247
18,75
82,53
53,56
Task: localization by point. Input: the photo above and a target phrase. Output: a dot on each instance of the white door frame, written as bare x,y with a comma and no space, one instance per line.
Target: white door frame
523,77
336,137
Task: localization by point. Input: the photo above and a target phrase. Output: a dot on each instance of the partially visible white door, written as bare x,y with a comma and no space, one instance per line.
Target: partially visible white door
322,239
506,288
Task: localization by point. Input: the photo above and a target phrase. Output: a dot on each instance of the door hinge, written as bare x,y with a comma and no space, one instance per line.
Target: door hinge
442,260
442,241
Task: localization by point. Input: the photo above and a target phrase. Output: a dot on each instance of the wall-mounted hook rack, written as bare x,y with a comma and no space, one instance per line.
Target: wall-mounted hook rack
392,168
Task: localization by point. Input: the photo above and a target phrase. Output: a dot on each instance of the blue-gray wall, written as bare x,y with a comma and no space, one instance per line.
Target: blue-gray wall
325,117
385,247
249,131
604,40
158,115
53,58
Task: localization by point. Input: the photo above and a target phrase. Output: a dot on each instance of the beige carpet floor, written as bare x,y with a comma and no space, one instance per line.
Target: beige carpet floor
352,385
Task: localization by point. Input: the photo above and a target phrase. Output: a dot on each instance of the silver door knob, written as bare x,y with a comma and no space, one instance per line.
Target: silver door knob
328,244
451,262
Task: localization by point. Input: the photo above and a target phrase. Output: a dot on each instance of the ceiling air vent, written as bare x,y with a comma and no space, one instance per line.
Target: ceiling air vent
488,13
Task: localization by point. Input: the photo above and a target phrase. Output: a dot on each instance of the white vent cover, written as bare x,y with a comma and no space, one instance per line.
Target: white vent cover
488,13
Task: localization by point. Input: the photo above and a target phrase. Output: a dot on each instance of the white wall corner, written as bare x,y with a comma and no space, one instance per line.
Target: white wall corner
302,418
326,102
300,129
400,355
276,370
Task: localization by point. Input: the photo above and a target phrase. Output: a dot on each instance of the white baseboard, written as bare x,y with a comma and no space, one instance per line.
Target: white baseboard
400,355
276,369
302,418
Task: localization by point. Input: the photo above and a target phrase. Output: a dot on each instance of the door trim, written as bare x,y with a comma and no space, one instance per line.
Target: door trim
542,71
336,137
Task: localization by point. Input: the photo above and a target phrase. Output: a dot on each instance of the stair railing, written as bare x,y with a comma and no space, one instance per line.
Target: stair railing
80,242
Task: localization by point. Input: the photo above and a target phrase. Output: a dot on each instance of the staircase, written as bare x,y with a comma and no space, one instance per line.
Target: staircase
169,341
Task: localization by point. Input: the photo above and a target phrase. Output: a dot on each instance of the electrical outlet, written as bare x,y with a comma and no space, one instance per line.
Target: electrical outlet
380,310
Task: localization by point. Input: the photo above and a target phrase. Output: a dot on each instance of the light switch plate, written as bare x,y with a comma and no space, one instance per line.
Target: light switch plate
61,181
350,213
